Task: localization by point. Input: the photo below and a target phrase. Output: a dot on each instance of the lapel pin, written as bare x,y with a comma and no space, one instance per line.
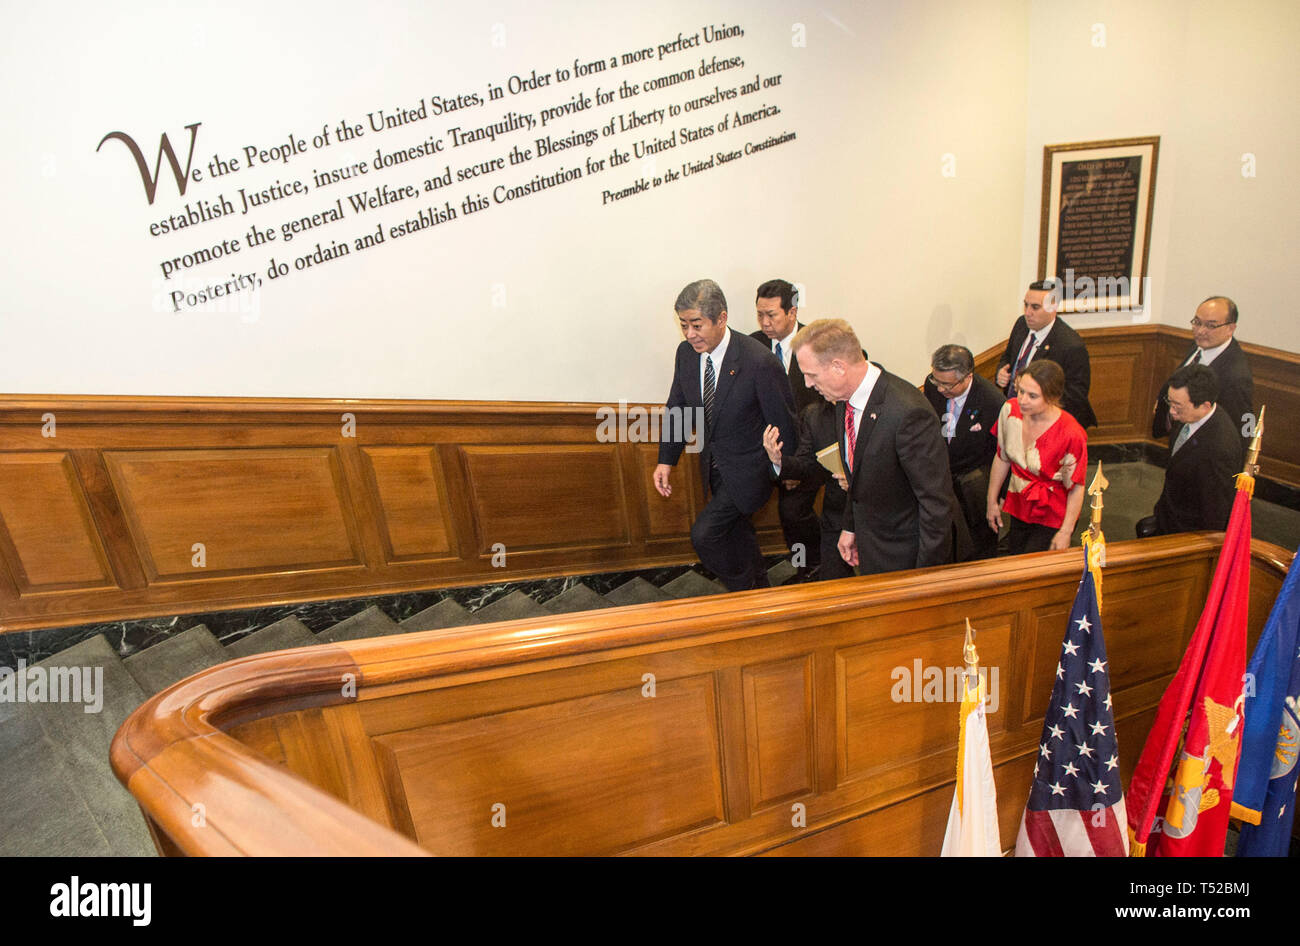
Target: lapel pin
873,416
732,371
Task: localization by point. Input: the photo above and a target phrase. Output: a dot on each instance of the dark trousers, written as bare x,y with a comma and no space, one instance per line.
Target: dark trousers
833,564
1027,536
799,523
971,489
725,541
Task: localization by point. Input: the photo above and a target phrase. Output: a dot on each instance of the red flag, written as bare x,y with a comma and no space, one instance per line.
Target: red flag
1205,696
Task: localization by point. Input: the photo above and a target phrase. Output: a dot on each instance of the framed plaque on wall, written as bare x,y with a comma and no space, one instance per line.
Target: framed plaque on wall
1096,221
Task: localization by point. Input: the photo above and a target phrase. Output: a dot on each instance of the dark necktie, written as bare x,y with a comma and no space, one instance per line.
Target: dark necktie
1023,360
779,357
709,386
1196,358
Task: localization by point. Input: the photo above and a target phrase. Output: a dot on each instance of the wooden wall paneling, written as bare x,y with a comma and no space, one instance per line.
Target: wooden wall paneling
1120,378
357,490
47,531
778,705
737,764
108,518
407,490
668,518
615,770
1277,385
888,732
533,497
256,511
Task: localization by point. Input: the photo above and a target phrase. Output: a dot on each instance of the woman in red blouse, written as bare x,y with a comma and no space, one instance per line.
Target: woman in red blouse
1046,452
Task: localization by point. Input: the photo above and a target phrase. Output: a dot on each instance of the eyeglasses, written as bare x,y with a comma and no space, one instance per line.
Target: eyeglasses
944,385
1197,323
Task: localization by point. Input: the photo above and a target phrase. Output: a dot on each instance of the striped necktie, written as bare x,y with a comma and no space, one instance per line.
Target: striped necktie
709,386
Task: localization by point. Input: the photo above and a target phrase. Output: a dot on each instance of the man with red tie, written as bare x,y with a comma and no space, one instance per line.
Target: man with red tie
901,506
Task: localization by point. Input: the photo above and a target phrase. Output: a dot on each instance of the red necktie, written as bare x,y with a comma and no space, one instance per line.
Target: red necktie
850,433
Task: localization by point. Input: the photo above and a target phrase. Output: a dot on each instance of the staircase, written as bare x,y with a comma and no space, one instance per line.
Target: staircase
60,796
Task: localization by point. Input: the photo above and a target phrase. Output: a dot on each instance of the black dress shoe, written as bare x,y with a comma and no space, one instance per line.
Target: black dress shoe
1146,527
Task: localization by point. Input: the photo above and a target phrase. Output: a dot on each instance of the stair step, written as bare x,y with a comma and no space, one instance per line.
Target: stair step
577,598
637,591
446,613
158,667
369,623
41,816
693,585
282,635
80,741
780,573
510,608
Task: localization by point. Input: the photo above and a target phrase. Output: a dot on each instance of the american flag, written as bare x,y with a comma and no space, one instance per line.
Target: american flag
1076,803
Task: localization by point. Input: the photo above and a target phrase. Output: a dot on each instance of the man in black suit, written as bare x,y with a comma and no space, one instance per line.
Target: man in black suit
741,389
901,505
817,429
1205,454
777,307
1038,333
967,405
1213,328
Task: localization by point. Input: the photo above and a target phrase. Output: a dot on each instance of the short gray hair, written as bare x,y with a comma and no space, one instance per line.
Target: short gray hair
705,295
953,358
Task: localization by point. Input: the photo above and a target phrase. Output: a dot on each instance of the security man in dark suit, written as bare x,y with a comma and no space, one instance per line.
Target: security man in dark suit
967,405
1214,346
777,307
1205,454
1038,333
740,389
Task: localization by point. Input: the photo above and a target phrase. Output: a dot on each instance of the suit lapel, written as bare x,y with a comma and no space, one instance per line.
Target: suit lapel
869,414
1047,340
727,376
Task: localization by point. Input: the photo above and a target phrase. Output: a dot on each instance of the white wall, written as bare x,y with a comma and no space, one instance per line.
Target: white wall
1216,82
552,298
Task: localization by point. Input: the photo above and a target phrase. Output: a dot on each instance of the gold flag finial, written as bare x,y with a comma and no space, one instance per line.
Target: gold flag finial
1095,490
1251,467
968,652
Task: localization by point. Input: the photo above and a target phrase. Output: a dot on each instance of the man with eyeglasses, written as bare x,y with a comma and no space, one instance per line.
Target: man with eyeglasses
967,405
1215,347
1204,458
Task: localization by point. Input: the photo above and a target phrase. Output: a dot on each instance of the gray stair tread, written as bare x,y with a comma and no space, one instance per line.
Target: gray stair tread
369,623
42,816
510,608
80,740
446,613
637,591
780,573
693,585
158,667
577,598
282,635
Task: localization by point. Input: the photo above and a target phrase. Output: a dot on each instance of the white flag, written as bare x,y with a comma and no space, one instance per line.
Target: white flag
973,820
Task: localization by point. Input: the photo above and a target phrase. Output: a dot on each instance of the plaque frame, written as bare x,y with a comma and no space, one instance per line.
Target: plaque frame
1091,296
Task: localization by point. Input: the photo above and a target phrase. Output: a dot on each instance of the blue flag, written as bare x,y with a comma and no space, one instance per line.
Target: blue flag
1264,797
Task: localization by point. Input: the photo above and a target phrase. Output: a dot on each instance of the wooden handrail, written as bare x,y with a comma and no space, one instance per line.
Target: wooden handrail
205,792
